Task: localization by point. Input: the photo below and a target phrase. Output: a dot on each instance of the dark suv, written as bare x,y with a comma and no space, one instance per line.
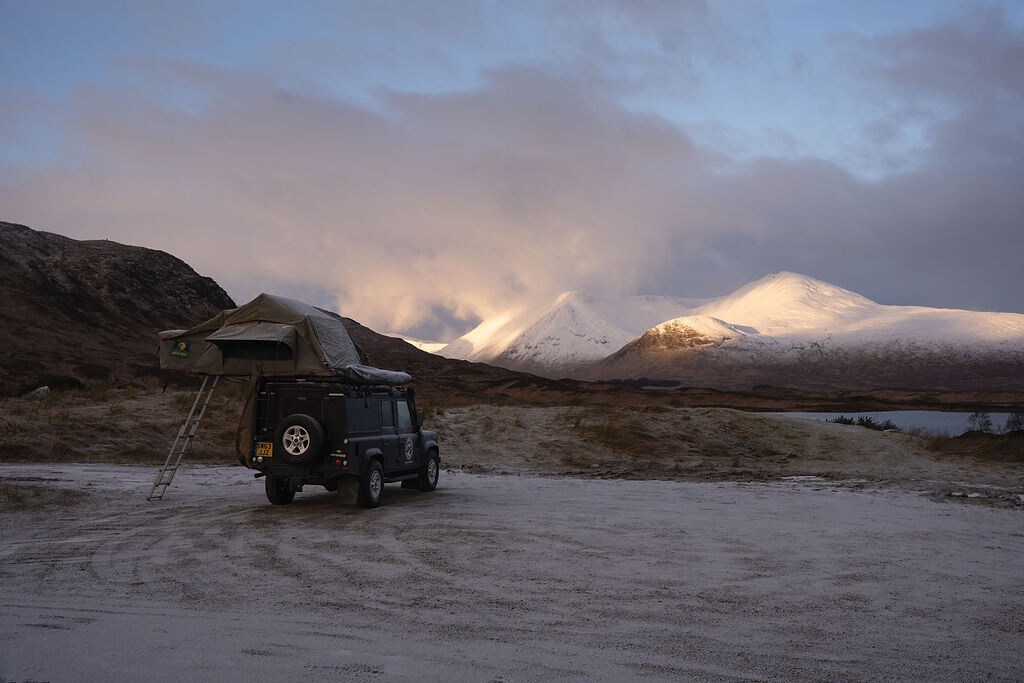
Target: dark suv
321,431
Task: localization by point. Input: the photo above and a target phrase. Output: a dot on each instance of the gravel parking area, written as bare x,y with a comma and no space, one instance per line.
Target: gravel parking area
501,578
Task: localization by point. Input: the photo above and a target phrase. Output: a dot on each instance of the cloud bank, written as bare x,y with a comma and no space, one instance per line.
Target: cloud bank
425,211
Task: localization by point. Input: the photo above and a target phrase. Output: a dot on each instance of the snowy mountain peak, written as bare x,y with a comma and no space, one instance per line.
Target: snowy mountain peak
786,302
788,289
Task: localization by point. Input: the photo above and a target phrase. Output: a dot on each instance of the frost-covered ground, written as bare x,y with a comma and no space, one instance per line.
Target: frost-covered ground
502,578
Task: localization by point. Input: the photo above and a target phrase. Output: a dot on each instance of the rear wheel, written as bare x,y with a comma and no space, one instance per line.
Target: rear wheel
429,472
371,485
279,492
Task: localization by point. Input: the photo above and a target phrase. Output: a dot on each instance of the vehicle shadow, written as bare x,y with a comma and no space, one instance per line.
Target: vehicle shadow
343,501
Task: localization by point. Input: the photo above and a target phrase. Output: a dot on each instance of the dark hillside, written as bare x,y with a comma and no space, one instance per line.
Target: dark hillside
74,311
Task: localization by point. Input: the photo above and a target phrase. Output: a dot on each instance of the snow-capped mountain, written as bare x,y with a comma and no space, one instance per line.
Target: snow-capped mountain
577,329
784,329
789,306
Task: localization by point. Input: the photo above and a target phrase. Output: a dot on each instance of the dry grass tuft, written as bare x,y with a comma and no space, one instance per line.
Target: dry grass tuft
981,446
15,496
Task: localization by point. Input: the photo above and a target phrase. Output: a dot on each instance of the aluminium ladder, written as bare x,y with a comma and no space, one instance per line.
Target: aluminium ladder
183,442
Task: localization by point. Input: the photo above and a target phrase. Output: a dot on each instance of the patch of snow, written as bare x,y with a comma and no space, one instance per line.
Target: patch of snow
422,345
480,342
704,325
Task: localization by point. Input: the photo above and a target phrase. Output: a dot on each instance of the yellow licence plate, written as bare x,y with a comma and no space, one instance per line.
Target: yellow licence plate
264,449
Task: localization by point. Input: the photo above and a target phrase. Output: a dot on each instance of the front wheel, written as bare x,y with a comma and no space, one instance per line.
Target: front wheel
429,472
371,485
278,491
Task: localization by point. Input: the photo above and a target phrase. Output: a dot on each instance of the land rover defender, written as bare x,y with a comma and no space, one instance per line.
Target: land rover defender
322,430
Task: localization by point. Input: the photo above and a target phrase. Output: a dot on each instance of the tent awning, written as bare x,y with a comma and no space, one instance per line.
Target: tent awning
255,332
255,341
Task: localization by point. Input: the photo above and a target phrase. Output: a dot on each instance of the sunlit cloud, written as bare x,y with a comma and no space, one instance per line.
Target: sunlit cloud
504,170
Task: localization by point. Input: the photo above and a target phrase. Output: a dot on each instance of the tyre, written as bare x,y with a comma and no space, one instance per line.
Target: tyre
278,491
371,485
429,472
300,439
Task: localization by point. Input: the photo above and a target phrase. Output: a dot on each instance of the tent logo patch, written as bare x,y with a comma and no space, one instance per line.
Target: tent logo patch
181,349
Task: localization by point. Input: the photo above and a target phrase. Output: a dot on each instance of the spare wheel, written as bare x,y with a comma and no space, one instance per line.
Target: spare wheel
300,439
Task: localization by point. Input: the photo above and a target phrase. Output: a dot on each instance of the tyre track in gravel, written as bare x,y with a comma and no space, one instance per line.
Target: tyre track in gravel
518,577
132,548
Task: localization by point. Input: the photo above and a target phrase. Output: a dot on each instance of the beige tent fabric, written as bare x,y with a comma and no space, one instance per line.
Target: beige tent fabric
269,336
244,432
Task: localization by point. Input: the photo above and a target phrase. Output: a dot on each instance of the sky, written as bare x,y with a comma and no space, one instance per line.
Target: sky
421,166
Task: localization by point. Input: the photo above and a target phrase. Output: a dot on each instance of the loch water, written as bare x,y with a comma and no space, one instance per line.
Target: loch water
932,421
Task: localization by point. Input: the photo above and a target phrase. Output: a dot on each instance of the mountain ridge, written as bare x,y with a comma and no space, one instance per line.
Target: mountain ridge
577,327
784,323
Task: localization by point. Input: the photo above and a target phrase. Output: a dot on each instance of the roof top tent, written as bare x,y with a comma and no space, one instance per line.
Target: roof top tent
271,336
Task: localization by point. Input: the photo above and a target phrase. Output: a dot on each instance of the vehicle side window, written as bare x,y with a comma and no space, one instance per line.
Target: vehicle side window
404,416
362,414
387,417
